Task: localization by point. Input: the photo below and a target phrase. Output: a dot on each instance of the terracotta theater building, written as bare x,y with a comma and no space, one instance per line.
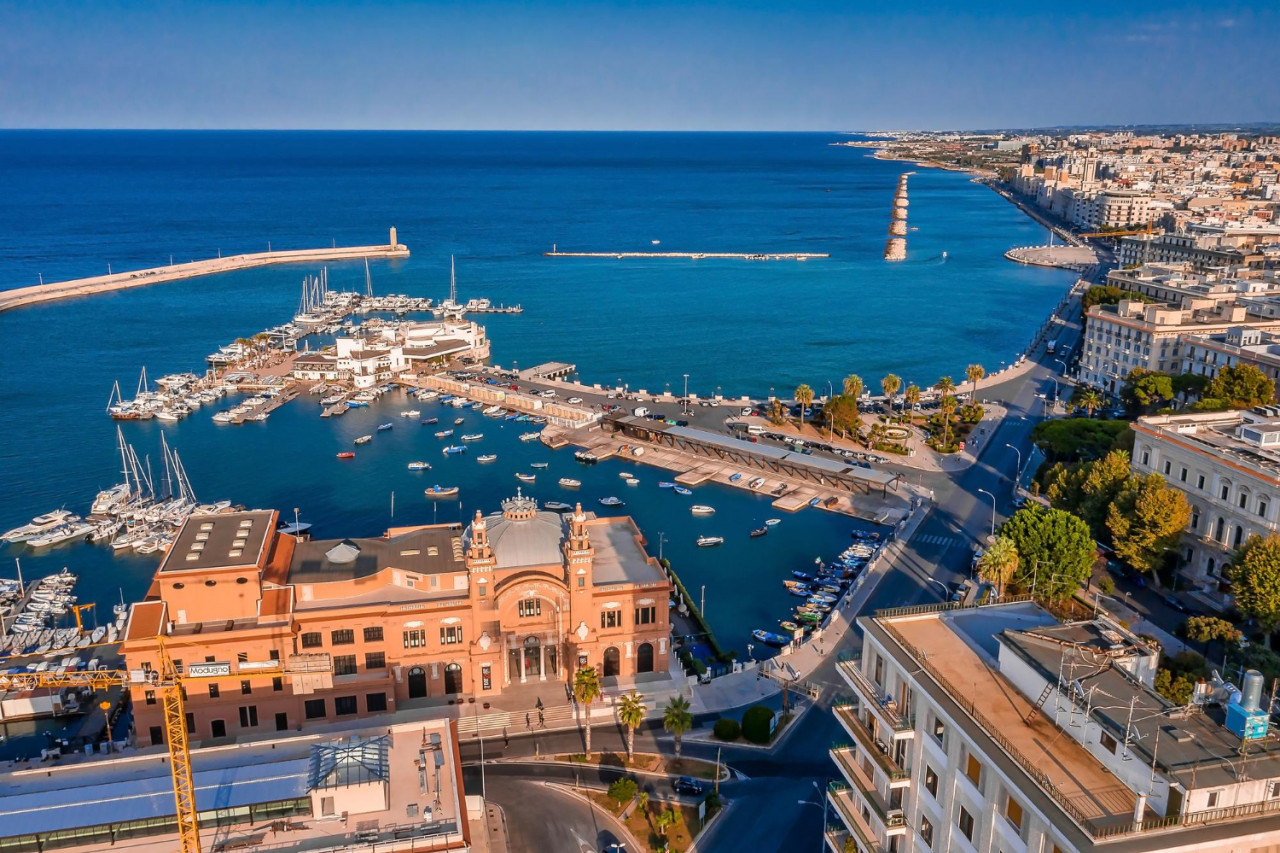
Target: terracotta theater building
285,633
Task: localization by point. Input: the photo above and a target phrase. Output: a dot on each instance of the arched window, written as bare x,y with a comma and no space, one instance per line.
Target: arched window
1195,518
1220,530
1238,538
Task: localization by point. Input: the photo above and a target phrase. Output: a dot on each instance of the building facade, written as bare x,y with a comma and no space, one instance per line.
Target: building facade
287,633
1228,466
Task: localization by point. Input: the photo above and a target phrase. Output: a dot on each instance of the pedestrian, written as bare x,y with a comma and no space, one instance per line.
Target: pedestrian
526,720
506,741
542,721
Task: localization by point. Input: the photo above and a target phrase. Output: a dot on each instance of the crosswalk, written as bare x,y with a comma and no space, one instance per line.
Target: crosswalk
934,539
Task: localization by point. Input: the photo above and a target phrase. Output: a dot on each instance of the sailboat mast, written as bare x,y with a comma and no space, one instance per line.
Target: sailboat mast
124,459
168,470
368,281
453,282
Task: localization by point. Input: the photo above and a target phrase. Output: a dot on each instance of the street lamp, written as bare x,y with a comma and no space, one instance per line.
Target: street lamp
1018,473
1064,365
822,838
684,402
993,509
946,590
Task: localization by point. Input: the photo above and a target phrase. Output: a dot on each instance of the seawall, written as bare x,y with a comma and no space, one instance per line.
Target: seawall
35,294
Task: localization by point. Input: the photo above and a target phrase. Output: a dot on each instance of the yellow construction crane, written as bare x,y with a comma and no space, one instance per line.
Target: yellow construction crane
76,608
167,683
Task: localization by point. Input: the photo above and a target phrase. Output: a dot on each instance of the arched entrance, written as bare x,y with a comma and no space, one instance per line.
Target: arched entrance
417,683
612,661
452,679
644,658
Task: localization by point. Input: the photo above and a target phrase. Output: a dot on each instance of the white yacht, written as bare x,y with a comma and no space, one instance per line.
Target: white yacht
39,525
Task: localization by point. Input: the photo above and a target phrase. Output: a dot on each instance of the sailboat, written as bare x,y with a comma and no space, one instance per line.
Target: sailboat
450,307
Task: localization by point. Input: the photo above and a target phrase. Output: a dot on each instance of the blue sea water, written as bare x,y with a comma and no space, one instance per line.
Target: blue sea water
72,202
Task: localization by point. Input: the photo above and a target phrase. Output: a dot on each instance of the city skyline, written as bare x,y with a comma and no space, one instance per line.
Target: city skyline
614,66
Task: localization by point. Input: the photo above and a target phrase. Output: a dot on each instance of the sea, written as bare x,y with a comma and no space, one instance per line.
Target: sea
72,203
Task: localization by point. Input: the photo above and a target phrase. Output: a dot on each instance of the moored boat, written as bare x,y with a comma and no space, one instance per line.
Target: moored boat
526,478
557,506
444,433
455,448
710,541
665,485
385,427
473,436
769,638
770,522
364,439
539,464
439,491
488,457
419,466
702,509
758,532
681,490
570,483
346,454
529,436
611,501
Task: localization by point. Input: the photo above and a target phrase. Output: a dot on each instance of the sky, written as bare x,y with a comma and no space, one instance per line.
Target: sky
547,65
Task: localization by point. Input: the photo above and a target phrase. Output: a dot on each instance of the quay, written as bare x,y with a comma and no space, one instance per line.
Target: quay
549,370
35,294
697,256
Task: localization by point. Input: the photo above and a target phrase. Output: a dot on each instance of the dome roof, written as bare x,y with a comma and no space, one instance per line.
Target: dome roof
523,535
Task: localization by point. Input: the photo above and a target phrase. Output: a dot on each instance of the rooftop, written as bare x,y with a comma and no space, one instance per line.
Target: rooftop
619,557
426,550
230,540
1246,438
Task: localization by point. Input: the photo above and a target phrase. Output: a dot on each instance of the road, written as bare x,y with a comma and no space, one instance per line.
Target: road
576,828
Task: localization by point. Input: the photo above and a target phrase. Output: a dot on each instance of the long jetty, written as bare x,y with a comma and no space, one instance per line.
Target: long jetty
23,296
697,256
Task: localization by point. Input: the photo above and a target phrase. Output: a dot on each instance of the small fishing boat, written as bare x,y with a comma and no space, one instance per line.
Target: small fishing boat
570,483
770,522
793,584
473,436
733,478
681,490
430,421
586,458
492,410
800,591
364,439
758,532
802,576
756,483
710,541
346,454
526,478
632,481
557,506
428,394
441,491
611,501
815,501
822,598
539,464
808,617
458,421
529,436
488,457
665,485
624,475
702,509
419,466
769,638
444,433
455,448
385,427
789,626
410,413
358,404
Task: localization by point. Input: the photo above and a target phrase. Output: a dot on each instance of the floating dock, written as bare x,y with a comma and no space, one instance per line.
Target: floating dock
697,256
35,294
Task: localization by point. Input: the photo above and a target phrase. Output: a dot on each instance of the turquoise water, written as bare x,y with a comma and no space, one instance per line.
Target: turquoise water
72,202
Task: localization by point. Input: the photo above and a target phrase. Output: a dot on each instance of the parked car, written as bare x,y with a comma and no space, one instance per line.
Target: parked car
1176,603
573,401
687,785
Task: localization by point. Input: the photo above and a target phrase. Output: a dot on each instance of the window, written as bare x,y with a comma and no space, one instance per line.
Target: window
1212,802
926,831
877,671
242,657
965,822
1225,493
344,664
973,769
1168,466
939,730
415,639
646,615
375,702
344,706
343,637
611,619
1108,743
450,634
930,781
581,583
150,697
530,607
312,640
274,654
277,684
1183,475
213,691
1244,500
1273,791
1200,482
313,709
248,716
1013,812
245,687
1262,508
373,635
1146,457
375,660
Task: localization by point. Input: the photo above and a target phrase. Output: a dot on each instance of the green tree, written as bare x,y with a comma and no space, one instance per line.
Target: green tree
677,719
1146,520
1206,629
974,373
642,804
841,412
1088,489
911,398
1177,689
804,396
1072,439
1242,386
586,689
945,386
948,409
853,385
775,412
1190,384
1106,294
1255,575
631,711
1145,390
1055,550
623,790
1090,400
890,385
664,821
999,563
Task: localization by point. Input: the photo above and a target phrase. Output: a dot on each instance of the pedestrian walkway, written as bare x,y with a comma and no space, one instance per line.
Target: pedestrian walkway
934,539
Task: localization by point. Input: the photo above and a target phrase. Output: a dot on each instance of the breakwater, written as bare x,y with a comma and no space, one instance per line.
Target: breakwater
22,296
895,248
697,256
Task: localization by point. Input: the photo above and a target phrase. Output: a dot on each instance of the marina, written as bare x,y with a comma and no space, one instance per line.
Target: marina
696,256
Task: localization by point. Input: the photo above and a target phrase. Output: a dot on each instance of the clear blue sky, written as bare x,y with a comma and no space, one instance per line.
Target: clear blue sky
659,65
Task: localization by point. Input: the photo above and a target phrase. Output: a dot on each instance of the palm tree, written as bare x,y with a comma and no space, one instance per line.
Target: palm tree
853,385
945,386
999,563
804,396
890,385
677,719
631,711
948,406
664,821
1090,401
911,397
642,803
974,373
586,689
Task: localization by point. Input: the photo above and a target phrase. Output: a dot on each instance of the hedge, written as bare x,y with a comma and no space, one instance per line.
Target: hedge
755,724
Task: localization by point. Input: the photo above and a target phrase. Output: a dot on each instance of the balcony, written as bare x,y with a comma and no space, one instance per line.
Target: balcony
842,803
881,704
858,730
891,819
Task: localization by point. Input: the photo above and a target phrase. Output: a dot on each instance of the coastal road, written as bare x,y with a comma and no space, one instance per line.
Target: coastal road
530,806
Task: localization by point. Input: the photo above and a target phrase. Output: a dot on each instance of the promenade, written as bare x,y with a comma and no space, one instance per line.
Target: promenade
23,296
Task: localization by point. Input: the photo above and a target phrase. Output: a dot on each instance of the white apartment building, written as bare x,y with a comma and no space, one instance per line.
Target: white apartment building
996,729
396,348
1228,466
1205,355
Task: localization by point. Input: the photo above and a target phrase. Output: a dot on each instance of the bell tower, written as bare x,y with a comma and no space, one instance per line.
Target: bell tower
479,559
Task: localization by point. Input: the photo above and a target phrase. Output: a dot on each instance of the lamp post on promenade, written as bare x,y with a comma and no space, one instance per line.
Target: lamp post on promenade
993,509
1017,474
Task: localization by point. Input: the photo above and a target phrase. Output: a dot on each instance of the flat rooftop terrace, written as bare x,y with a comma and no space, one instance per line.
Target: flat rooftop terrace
1078,776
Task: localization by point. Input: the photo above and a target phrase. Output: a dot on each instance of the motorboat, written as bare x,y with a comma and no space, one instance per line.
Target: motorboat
385,427
702,509
733,478
632,481
444,433
758,532
488,457
473,436
557,506
770,522
364,439
756,483
455,448
789,626
625,475
430,421
441,491
428,394
40,524
611,501
529,436
681,490
710,541
410,413
526,478
68,532
459,421
492,410
419,466
769,638
570,483
539,464
346,454
586,458
801,576
665,485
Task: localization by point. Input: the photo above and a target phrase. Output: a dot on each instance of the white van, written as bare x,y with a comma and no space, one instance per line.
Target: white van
756,429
